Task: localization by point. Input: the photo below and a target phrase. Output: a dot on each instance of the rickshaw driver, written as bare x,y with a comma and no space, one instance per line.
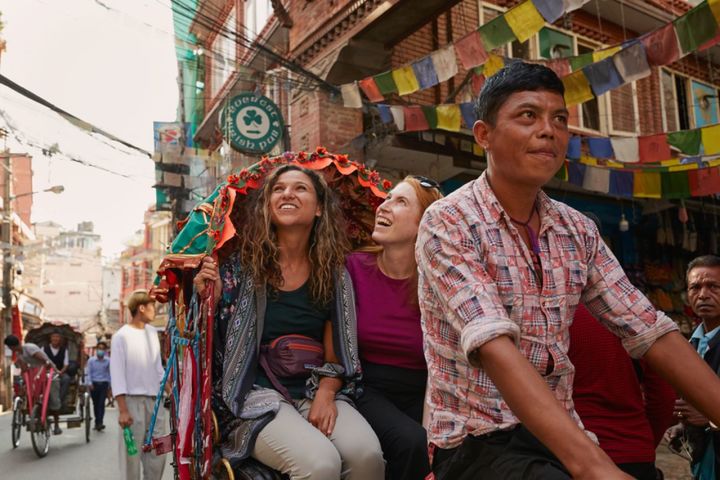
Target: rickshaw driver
30,355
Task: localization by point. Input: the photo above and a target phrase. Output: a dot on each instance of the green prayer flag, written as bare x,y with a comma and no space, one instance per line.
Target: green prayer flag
695,27
675,185
386,83
430,116
576,63
496,33
687,141
562,174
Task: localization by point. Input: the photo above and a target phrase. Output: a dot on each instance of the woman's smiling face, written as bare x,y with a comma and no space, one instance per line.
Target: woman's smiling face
293,200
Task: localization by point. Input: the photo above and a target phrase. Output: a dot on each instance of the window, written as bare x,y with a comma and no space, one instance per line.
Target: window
257,14
224,54
705,104
670,116
590,109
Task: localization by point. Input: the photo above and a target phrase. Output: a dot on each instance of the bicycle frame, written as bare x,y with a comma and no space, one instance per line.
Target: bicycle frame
38,380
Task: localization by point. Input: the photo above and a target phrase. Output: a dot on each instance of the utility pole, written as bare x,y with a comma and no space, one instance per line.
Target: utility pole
6,237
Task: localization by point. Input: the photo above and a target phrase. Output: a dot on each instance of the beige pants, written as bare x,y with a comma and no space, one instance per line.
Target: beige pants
290,444
141,409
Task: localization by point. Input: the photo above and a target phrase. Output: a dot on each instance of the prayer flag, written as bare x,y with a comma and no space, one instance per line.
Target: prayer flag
631,63
415,119
468,114
351,95
562,173
687,141
398,115
448,117
385,114
715,9
493,65
695,27
477,81
470,50
621,183
385,83
710,43
405,80
561,67
626,149
496,33
675,185
705,181
551,10
603,76
711,140
524,20
572,5
430,116
576,173
580,61
444,63
371,90
661,46
600,147
425,72
654,148
604,53
577,88
647,185
597,179
574,149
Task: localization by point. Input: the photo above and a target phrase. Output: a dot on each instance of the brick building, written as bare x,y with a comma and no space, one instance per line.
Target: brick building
341,41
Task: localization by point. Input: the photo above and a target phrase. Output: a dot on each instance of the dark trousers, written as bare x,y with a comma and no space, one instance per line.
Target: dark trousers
392,403
98,394
503,455
64,387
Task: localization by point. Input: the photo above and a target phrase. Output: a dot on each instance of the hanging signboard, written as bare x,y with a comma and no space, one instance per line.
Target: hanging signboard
251,123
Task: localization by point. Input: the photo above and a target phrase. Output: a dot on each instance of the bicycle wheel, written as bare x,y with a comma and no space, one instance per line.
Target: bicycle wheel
39,432
18,419
86,402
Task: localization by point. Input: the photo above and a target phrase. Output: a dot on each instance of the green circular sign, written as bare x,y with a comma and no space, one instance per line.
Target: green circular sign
251,124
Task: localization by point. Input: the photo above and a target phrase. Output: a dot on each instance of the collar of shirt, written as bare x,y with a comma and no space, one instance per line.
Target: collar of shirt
703,338
487,200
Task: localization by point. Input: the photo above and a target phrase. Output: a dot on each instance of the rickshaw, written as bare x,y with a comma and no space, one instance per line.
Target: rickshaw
32,407
195,437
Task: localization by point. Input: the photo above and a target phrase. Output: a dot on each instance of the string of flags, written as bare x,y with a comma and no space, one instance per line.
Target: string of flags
584,76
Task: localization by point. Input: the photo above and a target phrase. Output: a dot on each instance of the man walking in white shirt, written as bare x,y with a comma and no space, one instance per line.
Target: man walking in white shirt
136,372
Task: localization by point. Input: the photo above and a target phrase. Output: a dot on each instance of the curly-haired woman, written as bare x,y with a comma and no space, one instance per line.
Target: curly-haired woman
389,331
286,277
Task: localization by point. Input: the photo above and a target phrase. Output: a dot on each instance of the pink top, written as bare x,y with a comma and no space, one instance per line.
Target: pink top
388,328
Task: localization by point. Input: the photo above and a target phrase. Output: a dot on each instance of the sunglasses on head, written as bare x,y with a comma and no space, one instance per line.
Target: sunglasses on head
426,182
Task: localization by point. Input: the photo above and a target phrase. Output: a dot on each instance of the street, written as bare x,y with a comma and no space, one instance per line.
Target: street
69,457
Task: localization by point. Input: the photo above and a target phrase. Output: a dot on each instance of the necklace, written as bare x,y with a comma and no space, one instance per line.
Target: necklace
532,235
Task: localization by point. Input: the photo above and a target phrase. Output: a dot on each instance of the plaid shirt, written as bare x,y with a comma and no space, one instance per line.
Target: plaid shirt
477,283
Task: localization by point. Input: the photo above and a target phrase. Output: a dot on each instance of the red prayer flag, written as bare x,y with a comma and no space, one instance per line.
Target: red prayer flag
661,46
561,67
710,43
470,50
415,120
477,83
371,90
654,148
705,181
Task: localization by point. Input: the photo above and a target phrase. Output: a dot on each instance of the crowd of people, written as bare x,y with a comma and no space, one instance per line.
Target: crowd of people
489,334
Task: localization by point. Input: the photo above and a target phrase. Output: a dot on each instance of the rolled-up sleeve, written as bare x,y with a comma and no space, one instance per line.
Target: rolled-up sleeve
617,303
450,264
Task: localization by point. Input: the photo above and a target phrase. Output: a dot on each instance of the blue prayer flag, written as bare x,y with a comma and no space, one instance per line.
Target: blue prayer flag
621,183
550,10
425,72
385,114
576,173
600,147
574,148
603,76
468,114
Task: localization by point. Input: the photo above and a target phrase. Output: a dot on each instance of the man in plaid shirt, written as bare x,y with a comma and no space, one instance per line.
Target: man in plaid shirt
502,268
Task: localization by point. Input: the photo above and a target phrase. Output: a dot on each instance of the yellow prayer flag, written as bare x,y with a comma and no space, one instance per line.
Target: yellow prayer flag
577,88
524,20
711,139
603,54
715,9
405,80
588,160
448,117
714,163
493,64
478,150
647,185
670,163
613,164
681,168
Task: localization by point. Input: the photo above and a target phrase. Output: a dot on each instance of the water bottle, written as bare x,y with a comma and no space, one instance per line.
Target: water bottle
129,442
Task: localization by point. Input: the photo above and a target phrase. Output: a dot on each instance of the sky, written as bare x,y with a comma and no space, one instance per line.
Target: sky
111,63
